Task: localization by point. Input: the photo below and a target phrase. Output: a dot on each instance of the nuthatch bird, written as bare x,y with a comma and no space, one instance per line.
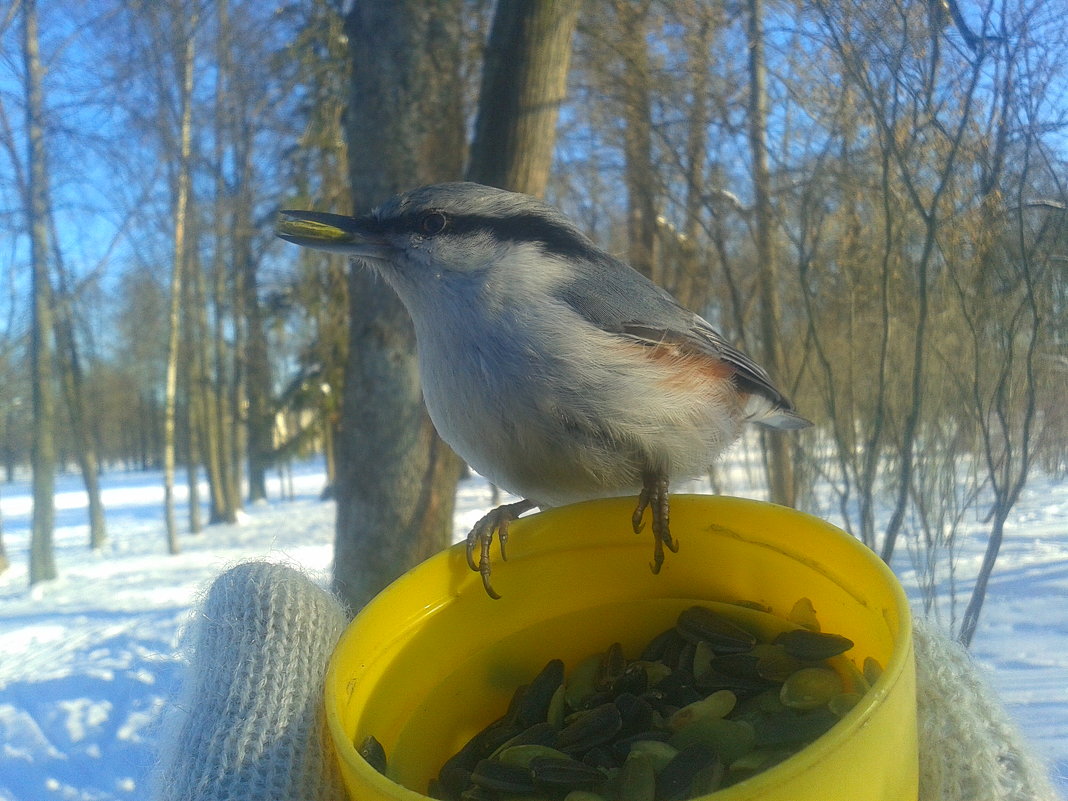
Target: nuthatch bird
554,369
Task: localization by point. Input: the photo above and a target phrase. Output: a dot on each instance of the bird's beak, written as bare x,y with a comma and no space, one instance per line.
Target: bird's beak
356,236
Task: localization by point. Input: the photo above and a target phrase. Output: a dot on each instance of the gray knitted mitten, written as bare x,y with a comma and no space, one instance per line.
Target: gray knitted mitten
969,748
249,722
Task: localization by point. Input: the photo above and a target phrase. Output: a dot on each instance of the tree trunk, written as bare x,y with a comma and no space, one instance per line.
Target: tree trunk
260,421
181,202
640,177
396,478
74,393
193,422
218,411
43,457
224,384
524,81
203,395
192,466
779,464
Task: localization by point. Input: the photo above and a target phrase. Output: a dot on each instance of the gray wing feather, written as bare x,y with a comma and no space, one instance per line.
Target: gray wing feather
620,300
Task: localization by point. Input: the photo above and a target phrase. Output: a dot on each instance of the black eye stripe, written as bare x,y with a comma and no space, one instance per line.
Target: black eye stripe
556,238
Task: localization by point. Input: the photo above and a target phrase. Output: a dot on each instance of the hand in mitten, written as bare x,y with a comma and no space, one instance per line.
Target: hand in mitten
249,724
969,747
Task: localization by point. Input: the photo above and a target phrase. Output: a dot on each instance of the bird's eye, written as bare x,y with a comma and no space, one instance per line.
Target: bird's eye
433,222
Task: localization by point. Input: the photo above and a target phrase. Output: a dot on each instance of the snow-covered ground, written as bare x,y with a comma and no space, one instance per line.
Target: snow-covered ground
87,662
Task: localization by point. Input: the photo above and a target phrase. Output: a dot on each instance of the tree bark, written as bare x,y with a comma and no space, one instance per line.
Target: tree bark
779,464
396,478
43,456
203,394
181,203
72,380
226,498
639,176
524,82
257,383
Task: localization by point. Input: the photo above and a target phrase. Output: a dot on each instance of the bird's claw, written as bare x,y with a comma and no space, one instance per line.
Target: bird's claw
481,535
654,496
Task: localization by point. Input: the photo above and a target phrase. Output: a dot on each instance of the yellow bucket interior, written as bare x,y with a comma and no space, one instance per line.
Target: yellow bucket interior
432,659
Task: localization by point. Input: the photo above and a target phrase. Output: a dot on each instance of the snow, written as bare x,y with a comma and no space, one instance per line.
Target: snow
89,661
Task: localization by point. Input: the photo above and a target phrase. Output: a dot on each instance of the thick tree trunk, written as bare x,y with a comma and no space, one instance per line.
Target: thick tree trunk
396,479
524,81
43,457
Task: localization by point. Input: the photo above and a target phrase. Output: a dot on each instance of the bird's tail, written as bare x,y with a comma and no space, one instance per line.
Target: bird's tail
762,411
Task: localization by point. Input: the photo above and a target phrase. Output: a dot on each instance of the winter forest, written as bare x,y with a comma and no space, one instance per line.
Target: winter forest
868,197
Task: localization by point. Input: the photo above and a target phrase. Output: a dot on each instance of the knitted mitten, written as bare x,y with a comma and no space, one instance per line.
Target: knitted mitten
249,723
969,748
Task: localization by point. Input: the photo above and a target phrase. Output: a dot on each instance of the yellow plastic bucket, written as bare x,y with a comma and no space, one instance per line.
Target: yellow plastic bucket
432,659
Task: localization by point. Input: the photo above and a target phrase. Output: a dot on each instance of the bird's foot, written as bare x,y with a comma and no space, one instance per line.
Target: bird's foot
481,536
654,496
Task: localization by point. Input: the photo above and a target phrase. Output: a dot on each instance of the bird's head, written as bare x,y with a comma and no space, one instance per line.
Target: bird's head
453,232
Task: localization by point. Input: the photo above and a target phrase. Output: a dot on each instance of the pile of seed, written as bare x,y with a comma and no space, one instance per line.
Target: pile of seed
706,705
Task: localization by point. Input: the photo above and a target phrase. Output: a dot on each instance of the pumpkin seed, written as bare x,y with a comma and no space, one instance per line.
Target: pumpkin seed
717,705
637,779
843,702
809,688
659,753
730,739
872,670
774,663
582,683
522,754
557,708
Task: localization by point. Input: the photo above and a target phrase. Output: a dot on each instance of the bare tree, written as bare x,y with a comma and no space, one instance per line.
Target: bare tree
185,50
42,556
218,401
72,376
779,460
525,74
67,360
